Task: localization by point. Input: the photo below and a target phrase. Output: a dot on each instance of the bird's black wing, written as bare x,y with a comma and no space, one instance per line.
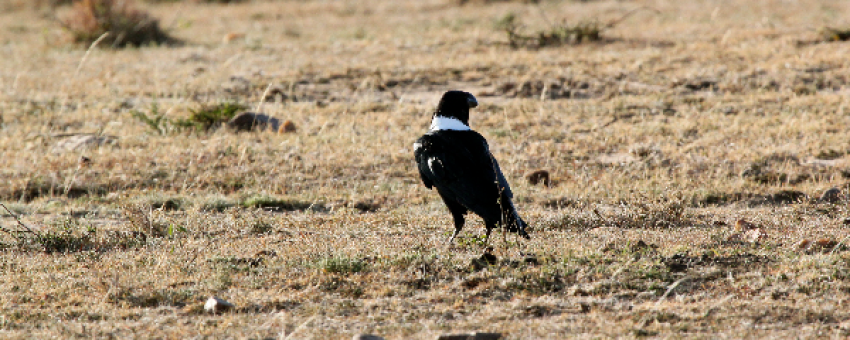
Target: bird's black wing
460,165
421,151
503,183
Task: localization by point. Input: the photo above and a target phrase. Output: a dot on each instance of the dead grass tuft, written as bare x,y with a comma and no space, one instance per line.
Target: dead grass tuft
69,235
141,298
141,220
584,31
642,211
562,34
125,25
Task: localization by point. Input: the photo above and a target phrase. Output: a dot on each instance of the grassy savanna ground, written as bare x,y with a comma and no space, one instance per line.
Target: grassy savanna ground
680,122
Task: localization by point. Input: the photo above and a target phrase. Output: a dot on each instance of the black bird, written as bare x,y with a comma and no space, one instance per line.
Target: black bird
457,161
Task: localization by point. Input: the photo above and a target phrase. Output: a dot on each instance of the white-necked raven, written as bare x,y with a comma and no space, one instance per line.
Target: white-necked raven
457,161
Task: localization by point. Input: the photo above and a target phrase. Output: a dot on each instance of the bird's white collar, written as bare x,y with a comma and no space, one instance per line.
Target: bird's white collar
445,123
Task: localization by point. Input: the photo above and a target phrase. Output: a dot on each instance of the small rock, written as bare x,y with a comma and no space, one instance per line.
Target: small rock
229,37
826,243
803,244
216,305
287,127
274,94
538,176
471,336
821,245
366,337
743,225
248,121
755,235
832,195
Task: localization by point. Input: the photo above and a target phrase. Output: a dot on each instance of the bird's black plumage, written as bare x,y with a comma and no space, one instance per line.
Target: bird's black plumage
457,162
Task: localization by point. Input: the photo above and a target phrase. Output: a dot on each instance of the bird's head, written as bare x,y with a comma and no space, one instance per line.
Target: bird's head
456,104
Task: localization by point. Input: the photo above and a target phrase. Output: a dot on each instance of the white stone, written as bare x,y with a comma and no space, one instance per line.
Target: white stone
216,305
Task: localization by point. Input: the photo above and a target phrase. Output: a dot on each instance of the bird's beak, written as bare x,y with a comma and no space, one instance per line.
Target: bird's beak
472,102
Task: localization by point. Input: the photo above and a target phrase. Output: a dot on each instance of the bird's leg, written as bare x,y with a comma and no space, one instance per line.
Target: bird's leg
459,221
457,231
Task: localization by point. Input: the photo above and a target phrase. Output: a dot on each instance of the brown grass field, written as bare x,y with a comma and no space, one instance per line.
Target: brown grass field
683,119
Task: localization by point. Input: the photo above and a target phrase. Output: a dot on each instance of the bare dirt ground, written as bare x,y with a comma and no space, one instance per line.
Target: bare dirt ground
682,120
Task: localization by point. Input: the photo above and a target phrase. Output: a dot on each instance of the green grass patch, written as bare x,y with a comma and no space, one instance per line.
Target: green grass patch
342,265
210,116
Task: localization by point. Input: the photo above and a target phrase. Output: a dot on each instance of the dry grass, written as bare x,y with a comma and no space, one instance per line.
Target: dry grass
656,141
558,35
120,20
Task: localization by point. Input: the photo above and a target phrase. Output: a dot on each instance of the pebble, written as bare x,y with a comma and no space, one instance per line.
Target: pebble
229,37
287,127
216,305
831,195
366,337
247,121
